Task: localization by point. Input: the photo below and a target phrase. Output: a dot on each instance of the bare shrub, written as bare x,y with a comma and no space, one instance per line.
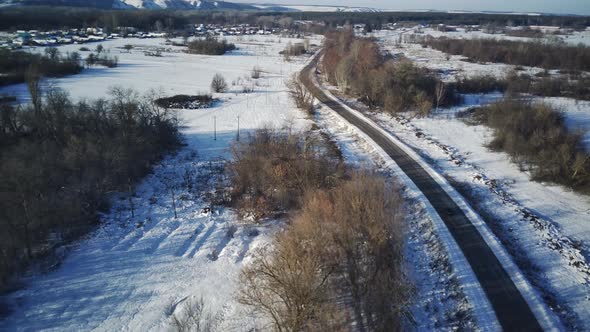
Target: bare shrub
193,317
480,84
231,231
357,67
346,243
367,238
293,50
272,169
210,46
536,137
288,283
303,98
218,84
247,89
256,72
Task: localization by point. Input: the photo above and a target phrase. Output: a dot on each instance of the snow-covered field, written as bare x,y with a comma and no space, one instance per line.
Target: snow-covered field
452,67
545,227
574,38
135,273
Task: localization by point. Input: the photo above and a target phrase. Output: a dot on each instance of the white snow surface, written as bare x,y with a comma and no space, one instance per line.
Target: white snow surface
133,273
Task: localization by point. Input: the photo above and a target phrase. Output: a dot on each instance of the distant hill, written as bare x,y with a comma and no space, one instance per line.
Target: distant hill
322,8
142,4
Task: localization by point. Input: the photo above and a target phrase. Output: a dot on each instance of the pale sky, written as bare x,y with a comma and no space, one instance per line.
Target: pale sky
580,7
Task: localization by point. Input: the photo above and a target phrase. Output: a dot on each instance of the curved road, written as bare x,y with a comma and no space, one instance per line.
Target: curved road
511,309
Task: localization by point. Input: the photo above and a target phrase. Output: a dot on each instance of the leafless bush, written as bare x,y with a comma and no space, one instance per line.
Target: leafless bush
231,231
247,89
218,84
293,50
480,84
345,243
288,283
357,66
256,72
302,97
272,169
193,317
537,139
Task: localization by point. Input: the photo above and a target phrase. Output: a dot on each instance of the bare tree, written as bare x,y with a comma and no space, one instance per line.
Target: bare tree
440,92
303,98
33,78
218,84
193,317
346,242
256,72
287,283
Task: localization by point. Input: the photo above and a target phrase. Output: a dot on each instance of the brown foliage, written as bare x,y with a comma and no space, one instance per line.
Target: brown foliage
357,67
537,139
299,93
272,170
345,244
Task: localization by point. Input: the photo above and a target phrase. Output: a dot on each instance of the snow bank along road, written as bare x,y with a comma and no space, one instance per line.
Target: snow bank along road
514,311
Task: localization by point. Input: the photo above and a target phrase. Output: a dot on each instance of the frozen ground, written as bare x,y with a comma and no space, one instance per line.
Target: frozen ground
135,272
545,227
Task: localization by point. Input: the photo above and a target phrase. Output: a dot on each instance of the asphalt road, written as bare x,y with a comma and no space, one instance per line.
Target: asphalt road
512,310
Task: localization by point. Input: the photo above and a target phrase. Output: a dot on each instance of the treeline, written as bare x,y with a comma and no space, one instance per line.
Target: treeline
210,46
338,264
357,66
14,64
571,85
60,158
47,18
533,54
536,137
376,20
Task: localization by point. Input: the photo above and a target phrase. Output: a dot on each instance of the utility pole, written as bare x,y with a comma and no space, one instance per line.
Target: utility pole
214,128
238,136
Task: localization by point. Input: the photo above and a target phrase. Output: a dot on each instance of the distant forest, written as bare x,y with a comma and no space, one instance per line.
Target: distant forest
70,17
